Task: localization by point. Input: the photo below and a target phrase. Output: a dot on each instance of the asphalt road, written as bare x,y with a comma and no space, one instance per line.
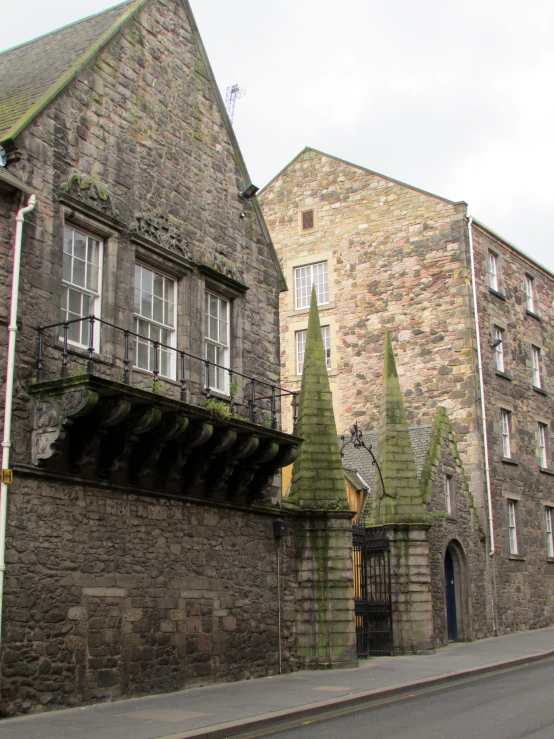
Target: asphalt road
512,704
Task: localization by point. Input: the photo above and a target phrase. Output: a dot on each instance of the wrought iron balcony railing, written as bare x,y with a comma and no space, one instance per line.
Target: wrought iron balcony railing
257,397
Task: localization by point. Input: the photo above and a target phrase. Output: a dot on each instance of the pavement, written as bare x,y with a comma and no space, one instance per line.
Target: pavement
228,709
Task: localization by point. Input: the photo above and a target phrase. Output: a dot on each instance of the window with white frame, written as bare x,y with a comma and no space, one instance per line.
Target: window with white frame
543,451
81,282
505,431
512,527
536,364
530,293
301,337
498,341
154,321
304,278
449,494
217,337
493,271
549,515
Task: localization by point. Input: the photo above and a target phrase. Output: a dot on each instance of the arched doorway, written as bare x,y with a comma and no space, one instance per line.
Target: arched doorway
455,592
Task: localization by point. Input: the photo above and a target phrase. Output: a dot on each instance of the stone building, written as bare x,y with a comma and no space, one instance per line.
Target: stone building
386,256
144,525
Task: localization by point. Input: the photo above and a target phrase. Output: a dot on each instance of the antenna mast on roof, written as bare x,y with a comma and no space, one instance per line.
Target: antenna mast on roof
234,93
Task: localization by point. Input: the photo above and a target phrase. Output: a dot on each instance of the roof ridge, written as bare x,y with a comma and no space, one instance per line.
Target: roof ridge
67,25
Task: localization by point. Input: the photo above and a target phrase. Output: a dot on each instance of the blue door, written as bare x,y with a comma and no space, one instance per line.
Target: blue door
450,596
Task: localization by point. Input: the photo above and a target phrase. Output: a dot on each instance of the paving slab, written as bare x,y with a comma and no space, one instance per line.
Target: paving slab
225,709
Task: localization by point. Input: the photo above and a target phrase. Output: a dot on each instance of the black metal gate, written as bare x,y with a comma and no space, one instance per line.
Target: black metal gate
372,590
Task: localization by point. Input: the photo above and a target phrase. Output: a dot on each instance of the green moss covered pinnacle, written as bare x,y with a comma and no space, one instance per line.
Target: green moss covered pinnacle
318,475
402,502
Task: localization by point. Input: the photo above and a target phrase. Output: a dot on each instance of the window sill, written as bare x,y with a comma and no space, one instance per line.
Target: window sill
509,460
550,560
75,350
451,519
533,315
505,375
540,390
301,311
497,293
546,470
517,557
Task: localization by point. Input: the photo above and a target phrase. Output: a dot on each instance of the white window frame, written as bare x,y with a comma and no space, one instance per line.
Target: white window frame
217,345
536,365
498,334
68,284
449,494
549,520
512,527
304,278
166,358
300,338
530,293
493,271
543,447
505,432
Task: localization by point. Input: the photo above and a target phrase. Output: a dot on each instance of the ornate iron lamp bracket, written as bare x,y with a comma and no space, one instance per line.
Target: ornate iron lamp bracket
356,438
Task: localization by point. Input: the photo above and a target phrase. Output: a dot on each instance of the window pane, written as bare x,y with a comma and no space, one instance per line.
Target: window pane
169,291
79,245
158,311
223,310
158,286
137,300
66,267
138,272
78,273
147,280
146,305
68,240
213,332
94,249
169,317
74,303
92,278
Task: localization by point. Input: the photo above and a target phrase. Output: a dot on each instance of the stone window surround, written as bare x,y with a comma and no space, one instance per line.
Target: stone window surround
511,434
315,227
302,325
109,237
234,295
535,297
516,503
303,261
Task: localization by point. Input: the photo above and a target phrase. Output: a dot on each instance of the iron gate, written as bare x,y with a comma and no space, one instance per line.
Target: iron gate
372,590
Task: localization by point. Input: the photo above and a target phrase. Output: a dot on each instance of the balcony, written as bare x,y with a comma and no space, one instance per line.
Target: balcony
101,418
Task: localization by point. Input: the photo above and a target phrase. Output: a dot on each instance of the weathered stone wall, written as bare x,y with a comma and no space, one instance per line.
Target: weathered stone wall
111,594
461,528
525,582
397,260
142,121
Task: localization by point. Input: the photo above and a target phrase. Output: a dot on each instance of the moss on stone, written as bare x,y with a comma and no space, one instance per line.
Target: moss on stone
318,475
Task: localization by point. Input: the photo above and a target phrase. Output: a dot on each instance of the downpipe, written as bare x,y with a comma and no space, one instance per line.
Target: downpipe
10,367
490,516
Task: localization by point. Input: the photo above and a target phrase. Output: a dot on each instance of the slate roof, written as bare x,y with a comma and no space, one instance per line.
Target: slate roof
29,71
358,460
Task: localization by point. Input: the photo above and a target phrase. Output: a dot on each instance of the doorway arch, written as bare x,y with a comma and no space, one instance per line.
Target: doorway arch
456,595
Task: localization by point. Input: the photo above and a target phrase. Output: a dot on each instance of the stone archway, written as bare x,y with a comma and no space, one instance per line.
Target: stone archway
456,592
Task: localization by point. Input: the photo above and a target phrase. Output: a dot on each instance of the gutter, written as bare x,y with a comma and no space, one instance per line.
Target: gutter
490,516
6,442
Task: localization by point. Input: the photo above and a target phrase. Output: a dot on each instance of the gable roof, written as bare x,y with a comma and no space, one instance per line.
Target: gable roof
359,460
363,169
34,73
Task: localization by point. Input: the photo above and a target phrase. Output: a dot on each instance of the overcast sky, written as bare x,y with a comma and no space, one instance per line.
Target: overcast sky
455,98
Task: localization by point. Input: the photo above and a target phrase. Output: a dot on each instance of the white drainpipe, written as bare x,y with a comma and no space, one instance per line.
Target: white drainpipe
6,442
484,420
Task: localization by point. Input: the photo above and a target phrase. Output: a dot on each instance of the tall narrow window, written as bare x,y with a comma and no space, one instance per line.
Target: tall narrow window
154,321
498,341
512,527
530,293
543,451
505,433
307,220
536,363
549,535
81,278
217,319
449,494
493,271
301,347
304,278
